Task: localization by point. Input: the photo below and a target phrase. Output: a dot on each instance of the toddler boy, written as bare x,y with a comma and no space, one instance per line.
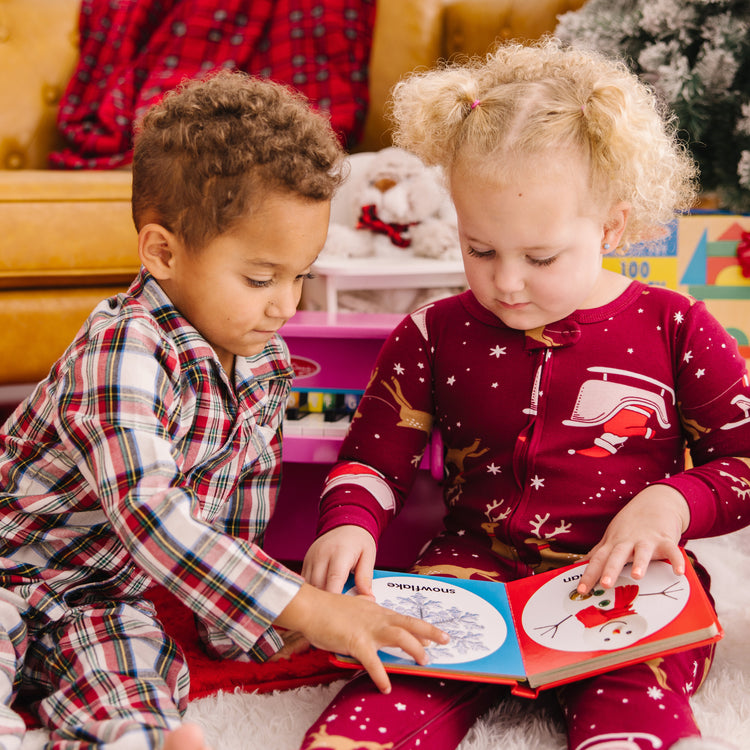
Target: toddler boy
151,452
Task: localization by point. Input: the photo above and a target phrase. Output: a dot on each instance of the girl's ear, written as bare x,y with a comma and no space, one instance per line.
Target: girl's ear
157,249
614,226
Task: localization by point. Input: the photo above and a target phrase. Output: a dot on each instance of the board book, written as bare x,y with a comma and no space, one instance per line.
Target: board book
538,632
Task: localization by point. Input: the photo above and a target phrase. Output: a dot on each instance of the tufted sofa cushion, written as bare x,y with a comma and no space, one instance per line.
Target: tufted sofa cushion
67,242
38,51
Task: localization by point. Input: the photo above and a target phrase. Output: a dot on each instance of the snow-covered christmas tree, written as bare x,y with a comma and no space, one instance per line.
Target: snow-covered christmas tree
696,54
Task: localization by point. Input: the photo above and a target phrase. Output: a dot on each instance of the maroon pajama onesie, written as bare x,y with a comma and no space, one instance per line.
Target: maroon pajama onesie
547,435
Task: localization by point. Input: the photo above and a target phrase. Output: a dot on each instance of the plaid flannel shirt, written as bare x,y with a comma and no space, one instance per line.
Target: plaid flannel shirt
137,460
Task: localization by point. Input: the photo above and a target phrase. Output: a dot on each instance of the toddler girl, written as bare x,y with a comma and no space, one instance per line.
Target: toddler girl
564,394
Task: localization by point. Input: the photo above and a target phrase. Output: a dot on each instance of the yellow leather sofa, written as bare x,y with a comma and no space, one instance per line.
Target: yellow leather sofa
67,239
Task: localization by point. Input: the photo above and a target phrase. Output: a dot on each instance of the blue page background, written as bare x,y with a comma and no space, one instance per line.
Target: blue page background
503,659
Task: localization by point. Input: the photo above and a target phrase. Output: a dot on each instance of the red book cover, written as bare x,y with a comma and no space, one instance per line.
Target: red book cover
565,635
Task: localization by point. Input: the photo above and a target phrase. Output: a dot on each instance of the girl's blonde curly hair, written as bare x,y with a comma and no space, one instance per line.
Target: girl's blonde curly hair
523,101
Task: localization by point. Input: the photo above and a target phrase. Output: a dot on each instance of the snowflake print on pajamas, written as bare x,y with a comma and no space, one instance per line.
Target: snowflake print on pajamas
655,693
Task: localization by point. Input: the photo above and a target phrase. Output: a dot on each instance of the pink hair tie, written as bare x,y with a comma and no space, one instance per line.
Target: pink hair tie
476,103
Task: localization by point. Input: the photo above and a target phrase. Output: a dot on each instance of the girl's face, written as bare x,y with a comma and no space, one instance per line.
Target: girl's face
532,245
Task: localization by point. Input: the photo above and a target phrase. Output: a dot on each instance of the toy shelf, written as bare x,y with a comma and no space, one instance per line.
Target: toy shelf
334,353
319,443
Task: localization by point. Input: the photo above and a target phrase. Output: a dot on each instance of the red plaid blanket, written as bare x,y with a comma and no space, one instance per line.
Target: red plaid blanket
133,51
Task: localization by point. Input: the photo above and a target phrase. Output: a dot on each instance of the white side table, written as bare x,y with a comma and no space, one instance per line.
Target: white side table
332,277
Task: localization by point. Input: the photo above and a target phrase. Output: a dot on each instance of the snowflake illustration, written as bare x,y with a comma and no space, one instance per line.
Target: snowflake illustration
655,693
464,628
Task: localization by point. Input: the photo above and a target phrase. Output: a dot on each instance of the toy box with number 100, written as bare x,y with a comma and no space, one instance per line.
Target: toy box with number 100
699,258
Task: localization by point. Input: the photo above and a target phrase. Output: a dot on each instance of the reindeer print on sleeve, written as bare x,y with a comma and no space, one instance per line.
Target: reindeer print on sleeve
408,415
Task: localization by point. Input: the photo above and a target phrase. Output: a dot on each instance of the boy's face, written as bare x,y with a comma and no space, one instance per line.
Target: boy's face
244,285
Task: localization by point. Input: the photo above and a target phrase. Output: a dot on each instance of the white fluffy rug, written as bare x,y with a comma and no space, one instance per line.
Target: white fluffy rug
277,721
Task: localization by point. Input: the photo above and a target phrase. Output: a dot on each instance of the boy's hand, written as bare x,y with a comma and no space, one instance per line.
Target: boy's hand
294,643
648,528
358,627
337,553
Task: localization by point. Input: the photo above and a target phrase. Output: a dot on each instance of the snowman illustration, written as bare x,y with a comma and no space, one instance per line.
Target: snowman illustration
610,620
604,619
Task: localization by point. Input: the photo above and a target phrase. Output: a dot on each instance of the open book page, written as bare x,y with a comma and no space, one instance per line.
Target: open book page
538,631
475,614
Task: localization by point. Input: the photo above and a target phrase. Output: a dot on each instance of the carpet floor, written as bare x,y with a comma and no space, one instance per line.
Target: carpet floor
241,720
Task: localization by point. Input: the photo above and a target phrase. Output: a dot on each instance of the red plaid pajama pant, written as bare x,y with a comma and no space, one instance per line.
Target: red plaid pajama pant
641,707
104,676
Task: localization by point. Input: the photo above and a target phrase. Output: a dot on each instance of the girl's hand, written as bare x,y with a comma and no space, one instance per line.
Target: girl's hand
648,528
358,627
337,553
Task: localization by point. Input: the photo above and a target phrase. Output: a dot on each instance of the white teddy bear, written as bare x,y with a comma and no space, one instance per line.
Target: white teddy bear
394,209
392,206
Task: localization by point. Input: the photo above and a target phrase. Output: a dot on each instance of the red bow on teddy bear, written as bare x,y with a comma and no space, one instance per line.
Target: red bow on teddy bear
369,219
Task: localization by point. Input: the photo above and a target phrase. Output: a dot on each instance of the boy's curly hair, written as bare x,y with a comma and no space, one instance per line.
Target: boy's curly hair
212,148
536,100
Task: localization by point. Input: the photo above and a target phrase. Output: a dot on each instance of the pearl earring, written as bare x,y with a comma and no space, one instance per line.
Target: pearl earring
606,245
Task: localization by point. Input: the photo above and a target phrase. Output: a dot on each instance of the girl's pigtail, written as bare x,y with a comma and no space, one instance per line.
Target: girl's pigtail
430,110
